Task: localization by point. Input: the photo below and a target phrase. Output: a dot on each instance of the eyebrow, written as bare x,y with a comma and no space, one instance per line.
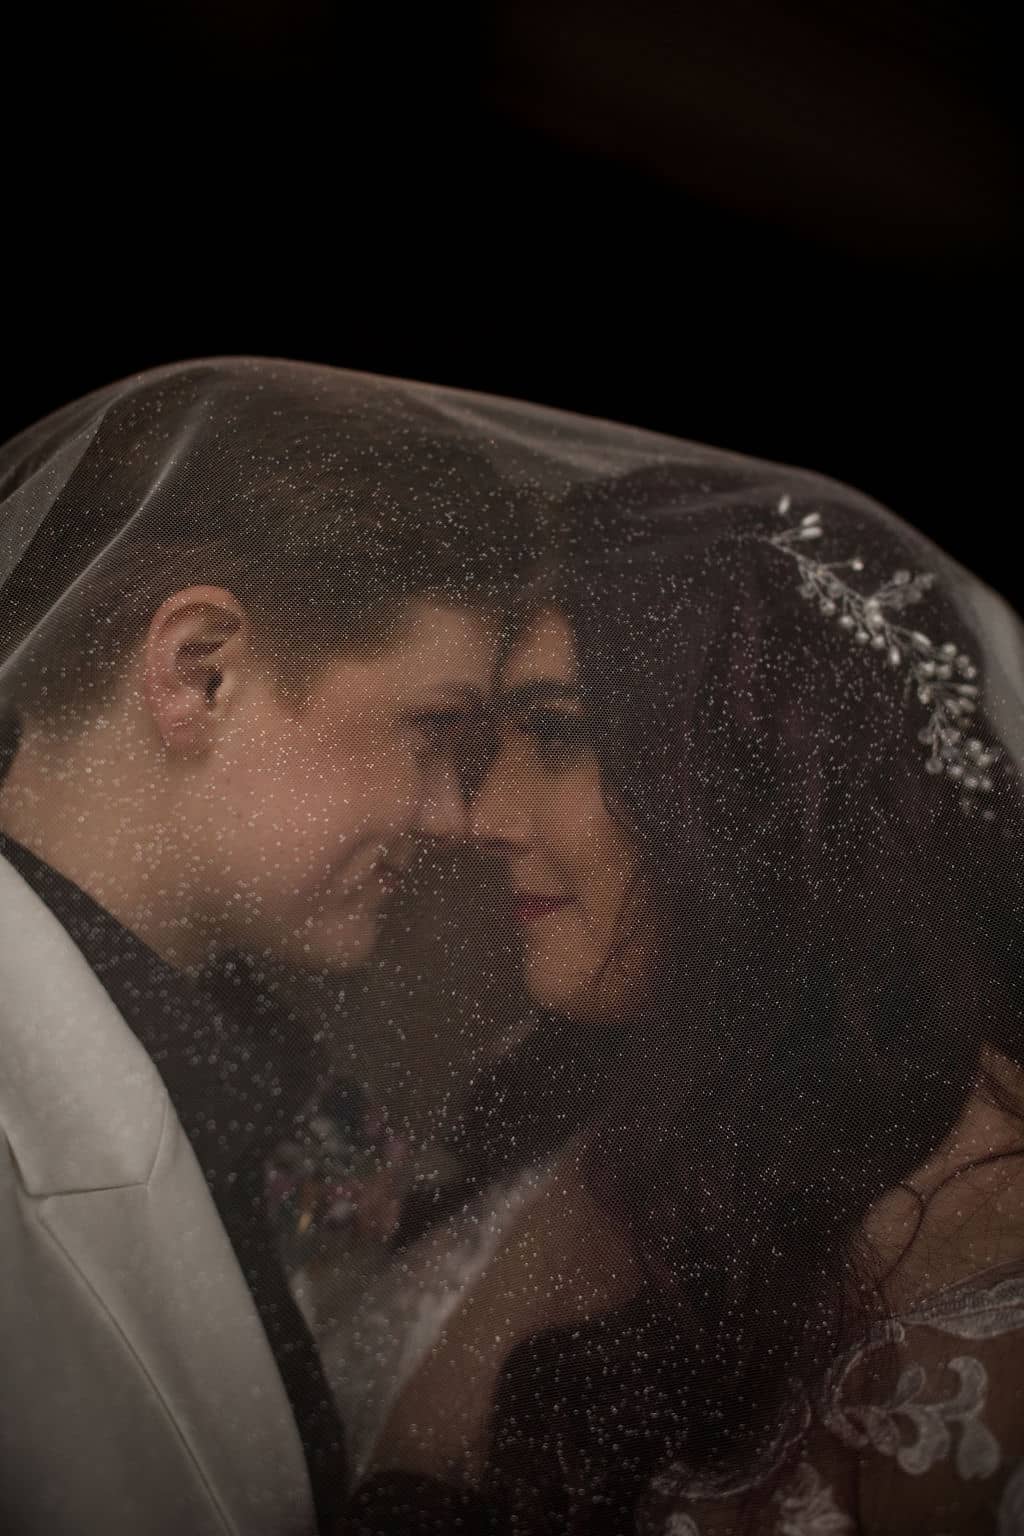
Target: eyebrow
462,693
539,690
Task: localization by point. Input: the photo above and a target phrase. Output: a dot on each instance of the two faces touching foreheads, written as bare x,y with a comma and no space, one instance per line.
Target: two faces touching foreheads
235,814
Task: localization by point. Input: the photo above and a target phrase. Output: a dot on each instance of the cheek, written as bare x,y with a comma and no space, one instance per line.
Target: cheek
353,800
613,876
381,786
293,813
353,773
583,842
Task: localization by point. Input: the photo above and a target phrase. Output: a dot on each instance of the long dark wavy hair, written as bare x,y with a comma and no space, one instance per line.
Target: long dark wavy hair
838,942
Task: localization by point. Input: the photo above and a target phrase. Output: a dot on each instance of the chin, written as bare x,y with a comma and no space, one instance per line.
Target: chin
579,997
550,988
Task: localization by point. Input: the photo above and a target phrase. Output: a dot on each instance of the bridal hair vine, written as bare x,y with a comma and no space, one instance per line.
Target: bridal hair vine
942,676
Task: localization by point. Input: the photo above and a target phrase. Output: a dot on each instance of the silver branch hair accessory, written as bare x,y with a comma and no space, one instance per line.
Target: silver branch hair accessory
943,677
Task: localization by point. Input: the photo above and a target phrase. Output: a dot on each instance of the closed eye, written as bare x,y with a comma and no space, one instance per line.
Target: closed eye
559,737
441,729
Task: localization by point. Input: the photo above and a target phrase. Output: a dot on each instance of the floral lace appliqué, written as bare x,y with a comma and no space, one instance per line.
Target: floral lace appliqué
882,1426
970,1313
1011,1505
920,1425
965,1312
807,1507
682,1525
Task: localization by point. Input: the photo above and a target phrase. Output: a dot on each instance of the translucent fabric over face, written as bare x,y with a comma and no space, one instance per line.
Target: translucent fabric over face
511,993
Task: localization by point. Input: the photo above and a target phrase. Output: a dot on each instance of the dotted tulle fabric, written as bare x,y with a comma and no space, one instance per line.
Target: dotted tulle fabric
568,882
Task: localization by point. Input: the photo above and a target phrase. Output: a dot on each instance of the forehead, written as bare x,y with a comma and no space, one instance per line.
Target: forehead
437,643
545,650
438,650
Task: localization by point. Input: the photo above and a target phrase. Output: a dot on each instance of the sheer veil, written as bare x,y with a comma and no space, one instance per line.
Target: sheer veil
654,1164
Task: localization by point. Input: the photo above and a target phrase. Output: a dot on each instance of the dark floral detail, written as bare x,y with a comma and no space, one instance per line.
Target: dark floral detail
315,1178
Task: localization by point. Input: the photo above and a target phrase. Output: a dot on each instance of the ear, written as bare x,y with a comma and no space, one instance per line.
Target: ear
195,657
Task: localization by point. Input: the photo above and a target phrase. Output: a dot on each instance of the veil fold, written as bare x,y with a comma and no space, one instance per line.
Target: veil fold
706,1220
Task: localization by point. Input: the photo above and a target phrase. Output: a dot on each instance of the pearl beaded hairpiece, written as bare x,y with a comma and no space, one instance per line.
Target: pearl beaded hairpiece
942,675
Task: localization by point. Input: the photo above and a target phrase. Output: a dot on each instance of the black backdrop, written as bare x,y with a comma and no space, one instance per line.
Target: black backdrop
786,229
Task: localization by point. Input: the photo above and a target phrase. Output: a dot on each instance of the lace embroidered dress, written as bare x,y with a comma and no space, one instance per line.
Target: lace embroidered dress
940,1451
460,712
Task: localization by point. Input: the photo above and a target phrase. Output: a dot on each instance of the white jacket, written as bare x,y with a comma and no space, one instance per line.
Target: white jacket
140,1396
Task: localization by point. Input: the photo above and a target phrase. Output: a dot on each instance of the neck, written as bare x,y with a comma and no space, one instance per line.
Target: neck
962,1210
89,806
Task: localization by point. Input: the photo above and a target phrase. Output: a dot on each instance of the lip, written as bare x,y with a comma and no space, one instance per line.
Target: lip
526,907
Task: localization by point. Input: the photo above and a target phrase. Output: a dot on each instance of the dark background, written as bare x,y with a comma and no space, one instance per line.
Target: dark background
787,229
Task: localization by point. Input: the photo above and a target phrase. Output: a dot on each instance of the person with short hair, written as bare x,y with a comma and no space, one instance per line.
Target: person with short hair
238,634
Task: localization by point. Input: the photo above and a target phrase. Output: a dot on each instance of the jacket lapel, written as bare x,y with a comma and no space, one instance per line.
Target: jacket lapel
107,1173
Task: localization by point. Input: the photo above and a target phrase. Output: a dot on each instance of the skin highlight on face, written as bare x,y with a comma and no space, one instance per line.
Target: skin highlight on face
208,811
571,865
343,789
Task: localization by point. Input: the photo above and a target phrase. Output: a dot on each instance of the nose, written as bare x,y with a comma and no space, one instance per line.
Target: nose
499,815
443,811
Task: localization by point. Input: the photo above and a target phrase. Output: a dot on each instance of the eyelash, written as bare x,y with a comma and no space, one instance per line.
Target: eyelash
558,738
438,728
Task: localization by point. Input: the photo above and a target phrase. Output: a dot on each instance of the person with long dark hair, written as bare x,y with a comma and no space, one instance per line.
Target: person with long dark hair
753,791
684,1074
